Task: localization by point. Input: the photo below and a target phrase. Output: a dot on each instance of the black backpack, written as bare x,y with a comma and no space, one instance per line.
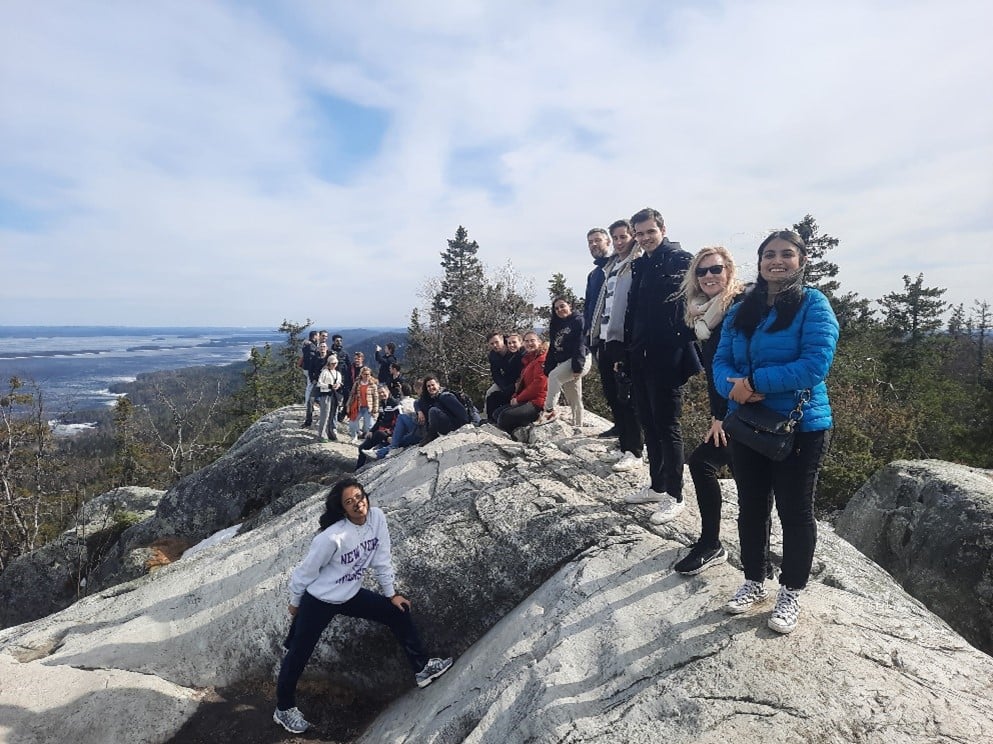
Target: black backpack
470,407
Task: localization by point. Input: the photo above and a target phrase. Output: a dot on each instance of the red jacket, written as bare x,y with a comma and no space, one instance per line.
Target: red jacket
533,384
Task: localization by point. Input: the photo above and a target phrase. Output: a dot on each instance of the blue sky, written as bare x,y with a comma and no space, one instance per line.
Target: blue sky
228,163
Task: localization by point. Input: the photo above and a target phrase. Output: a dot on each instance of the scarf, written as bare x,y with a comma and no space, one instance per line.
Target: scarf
707,316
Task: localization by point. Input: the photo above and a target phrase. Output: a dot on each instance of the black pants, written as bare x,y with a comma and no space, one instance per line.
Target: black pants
792,483
510,417
622,408
313,617
374,441
659,406
497,399
705,462
439,423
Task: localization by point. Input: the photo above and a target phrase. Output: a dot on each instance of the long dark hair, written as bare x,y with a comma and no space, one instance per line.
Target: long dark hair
333,510
788,298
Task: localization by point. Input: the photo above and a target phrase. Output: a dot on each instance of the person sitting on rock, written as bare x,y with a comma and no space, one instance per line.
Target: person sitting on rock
529,394
406,431
439,410
328,582
499,356
382,429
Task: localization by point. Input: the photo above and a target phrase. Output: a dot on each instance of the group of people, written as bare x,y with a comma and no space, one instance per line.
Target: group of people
657,315
343,387
654,316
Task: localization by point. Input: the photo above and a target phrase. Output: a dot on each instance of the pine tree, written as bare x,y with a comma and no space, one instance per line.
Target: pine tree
910,318
820,272
462,280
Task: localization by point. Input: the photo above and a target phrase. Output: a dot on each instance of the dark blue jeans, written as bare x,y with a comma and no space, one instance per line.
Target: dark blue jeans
792,483
313,617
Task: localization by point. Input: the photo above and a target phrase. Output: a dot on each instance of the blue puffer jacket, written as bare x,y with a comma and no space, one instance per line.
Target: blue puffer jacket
792,359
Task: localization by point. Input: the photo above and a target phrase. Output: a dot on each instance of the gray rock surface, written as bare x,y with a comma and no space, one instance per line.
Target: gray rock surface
273,455
559,602
930,524
52,577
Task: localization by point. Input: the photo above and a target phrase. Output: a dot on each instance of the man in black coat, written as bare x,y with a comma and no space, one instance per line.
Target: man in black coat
661,358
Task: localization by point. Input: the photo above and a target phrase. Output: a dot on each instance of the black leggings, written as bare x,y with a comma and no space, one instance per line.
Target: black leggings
313,617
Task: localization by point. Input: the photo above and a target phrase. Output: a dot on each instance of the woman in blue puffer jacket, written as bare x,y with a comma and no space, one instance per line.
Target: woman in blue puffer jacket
777,347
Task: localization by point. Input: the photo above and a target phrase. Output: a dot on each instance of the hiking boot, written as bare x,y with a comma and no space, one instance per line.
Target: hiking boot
644,496
748,595
667,511
787,610
332,435
700,558
610,433
292,720
627,462
432,670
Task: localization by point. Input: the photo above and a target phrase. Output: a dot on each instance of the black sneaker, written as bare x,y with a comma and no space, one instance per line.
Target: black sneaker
700,558
611,432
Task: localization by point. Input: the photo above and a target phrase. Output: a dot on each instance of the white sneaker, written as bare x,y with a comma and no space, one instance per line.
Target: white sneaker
748,595
627,462
354,439
644,496
668,510
612,455
786,612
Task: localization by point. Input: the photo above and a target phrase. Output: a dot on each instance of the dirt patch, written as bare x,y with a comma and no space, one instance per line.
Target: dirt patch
243,715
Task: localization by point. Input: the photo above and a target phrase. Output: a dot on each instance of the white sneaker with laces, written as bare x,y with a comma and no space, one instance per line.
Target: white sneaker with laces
668,510
627,462
644,496
786,612
748,595
612,455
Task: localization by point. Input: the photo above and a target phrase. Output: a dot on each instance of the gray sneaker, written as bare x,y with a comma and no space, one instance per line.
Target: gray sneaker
644,496
748,595
668,510
432,670
292,720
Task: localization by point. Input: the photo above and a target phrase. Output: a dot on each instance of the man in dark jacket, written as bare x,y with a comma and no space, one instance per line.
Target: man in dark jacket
598,241
662,357
345,367
439,410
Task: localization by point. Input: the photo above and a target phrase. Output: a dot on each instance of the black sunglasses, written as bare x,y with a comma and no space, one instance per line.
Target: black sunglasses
709,270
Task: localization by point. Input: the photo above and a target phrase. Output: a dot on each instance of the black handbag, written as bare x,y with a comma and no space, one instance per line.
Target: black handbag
764,430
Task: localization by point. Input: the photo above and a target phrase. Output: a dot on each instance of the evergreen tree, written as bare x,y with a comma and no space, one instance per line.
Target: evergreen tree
127,469
820,272
956,322
558,288
980,320
910,318
463,307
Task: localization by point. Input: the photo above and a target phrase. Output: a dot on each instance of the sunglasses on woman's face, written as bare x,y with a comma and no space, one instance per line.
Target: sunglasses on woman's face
710,270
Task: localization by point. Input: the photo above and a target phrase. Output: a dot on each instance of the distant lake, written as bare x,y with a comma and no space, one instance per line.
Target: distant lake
75,365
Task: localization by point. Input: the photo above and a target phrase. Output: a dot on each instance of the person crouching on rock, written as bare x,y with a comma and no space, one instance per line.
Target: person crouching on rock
328,582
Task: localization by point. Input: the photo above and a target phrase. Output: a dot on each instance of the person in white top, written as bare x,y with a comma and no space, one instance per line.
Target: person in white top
328,582
329,385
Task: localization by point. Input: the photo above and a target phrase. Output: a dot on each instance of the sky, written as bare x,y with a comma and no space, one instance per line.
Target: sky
241,163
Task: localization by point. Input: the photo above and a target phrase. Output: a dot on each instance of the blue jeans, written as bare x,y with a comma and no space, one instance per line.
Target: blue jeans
405,432
313,616
364,417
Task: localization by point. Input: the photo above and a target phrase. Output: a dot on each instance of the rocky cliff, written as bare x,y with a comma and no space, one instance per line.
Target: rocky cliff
557,599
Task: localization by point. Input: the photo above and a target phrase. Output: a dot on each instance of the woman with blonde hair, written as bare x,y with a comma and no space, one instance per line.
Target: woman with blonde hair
363,403
710,286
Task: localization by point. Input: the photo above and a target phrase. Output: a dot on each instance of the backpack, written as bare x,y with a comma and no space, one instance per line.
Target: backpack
470,407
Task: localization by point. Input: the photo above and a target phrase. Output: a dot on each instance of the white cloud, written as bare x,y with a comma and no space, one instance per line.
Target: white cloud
169,149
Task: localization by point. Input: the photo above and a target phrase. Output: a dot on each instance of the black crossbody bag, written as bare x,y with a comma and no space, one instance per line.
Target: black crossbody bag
762,429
